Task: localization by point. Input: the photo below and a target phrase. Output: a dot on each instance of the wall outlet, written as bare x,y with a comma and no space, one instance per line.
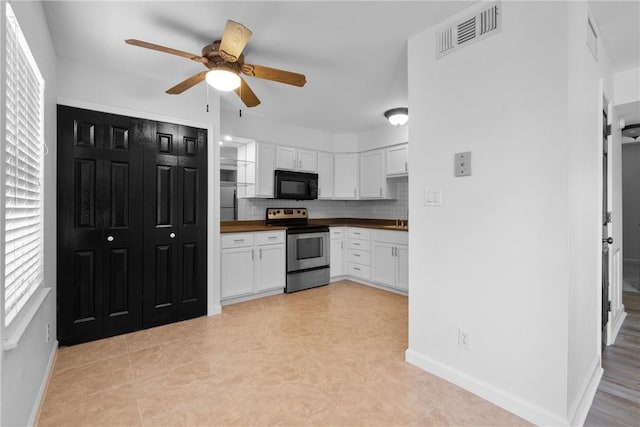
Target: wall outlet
462,162
48,336
464,339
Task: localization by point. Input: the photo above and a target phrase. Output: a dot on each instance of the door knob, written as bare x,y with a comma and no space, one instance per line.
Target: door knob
172,235
109,238
608,240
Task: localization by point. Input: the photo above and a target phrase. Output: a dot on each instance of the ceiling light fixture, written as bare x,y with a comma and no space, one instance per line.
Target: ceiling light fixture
397,116
223,79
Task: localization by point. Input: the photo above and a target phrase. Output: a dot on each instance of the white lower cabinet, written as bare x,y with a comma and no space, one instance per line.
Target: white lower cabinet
337,251
390,259
252,263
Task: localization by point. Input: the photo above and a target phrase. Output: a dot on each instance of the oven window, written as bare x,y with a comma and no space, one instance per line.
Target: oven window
294,188
309,248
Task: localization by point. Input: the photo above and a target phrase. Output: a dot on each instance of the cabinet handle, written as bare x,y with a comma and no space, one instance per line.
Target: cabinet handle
172,235
392,251
319,191
238,240
358,255
356,244
381,191
341,245
252,253
406,169
299,164
354,192
273,237
109,238
356,268
260,253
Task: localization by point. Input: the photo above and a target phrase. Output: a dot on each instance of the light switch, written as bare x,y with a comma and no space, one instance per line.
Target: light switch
432,197
462,164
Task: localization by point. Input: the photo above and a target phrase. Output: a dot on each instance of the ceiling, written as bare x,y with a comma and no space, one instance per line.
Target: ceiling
353,53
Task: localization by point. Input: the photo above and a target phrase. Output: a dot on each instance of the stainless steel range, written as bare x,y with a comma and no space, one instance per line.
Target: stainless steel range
307,248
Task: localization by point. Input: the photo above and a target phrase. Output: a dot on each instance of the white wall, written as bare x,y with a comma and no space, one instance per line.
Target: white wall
382,136
24,368
274,132
585,203
499,258
627,86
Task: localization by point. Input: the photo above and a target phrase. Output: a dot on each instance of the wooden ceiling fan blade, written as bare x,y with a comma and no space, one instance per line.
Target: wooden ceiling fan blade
234,39
274,74
187,83
246,94
169,50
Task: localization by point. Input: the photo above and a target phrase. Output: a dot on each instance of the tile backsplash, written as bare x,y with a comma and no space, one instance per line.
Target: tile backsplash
254,209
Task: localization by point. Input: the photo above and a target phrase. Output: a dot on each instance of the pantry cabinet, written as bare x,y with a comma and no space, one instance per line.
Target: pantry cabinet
252,263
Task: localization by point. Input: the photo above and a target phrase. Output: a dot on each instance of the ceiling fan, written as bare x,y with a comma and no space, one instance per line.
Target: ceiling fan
225,61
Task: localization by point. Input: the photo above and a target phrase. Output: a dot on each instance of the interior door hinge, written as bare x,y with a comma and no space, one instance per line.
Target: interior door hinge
608,130
608,305
609,216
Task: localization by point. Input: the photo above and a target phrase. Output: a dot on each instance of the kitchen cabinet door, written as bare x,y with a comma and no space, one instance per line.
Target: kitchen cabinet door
336,264
345,176
383,265
271,266
372,175
265,166
237,271
308,161
325,176
286,158
402,258
397,160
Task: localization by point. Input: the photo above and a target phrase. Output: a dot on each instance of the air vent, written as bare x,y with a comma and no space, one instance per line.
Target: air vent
472,28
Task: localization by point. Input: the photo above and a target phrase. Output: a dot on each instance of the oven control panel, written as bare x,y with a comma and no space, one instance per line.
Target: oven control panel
286,214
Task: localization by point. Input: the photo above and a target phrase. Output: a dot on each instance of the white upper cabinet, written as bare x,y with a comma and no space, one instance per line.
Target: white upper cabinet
345,184
296,159
397,160
264,170
325,176
373,176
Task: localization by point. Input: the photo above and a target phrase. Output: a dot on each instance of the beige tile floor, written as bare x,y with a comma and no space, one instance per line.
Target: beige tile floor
329,356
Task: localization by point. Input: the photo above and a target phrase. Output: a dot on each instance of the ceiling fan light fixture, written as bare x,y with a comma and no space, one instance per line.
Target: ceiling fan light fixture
397,116
223,80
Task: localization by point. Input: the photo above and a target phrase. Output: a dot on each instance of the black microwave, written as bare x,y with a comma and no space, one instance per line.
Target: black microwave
295,185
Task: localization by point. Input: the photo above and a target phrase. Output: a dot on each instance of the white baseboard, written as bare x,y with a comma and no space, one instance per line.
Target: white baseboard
35,412
512,403
616,325
367,283
251,297
216,309
580,409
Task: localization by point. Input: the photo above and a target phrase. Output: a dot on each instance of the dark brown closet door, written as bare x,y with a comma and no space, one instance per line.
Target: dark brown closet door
99,227
174,223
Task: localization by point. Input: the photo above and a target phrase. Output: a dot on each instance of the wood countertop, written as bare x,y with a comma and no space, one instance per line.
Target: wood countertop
250,226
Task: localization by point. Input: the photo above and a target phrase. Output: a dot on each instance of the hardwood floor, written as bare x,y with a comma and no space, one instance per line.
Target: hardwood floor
617,401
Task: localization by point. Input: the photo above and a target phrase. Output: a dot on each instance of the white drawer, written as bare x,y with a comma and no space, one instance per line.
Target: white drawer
359,233
362,245
358,270
336,233
237,240
270,237
359,257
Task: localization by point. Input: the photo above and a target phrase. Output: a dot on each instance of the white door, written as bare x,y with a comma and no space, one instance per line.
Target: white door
402,265
372,175
237,272
345,183
397,163
336,263
308,161
265,166
286,158
325,176
383,263
271,267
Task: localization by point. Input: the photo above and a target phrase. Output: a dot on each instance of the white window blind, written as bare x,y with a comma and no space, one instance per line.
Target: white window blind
23,164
